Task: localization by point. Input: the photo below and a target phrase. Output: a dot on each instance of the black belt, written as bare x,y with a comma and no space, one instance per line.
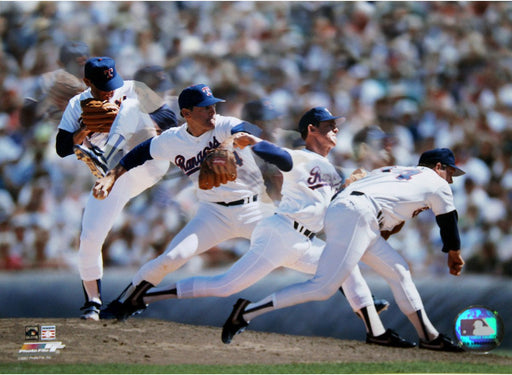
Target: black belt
302,229
245,200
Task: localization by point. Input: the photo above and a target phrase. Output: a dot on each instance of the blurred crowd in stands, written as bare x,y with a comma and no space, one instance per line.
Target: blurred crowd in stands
429,74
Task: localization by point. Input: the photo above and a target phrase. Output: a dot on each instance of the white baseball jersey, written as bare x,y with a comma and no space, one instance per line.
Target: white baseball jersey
187,152
419,189
69,121
128,123
308,189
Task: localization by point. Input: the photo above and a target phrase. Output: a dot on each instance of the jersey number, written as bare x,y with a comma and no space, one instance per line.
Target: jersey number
405,174
238,159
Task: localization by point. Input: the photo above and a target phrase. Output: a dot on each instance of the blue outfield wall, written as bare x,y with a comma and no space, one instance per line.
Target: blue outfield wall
58,294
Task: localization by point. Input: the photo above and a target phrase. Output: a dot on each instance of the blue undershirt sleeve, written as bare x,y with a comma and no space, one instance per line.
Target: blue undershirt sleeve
274,154
449,230
137,156
64,143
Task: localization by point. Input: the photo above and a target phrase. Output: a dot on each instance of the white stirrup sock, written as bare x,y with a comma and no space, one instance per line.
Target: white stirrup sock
371,319
92,290
426,330
259,308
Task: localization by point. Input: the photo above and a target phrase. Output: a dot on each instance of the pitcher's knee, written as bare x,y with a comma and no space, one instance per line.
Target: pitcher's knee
326,293
322,291
399,273
92,237
167,263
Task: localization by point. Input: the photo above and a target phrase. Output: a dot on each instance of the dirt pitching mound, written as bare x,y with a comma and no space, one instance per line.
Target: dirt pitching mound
139,341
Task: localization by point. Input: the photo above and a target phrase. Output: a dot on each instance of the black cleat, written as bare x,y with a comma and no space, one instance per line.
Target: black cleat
380,305
121,311
94,160
235,323
112,310
133,297
91,311
441,343
389,338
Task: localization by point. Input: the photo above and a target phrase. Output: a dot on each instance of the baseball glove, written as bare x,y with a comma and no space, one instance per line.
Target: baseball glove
354,176
218,167
387,233
97,115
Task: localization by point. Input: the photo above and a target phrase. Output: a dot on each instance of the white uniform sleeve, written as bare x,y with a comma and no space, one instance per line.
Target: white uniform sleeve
72,113
161,145
441,201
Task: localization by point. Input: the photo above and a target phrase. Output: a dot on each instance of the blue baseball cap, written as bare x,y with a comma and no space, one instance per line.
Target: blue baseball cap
440,155
197,96
370,133
101,71
315,116
164,117
260,110
71,50
155,77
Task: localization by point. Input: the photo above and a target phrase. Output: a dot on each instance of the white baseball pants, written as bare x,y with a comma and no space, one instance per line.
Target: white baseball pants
274,243
352,234
212,224
99,215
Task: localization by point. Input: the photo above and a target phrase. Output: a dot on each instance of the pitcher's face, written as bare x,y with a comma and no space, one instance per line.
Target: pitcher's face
328,130
200,119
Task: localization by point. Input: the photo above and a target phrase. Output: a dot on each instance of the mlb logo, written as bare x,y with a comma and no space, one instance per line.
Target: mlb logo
48,332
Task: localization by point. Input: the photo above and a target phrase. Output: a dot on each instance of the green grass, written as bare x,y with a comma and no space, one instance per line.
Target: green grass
312,368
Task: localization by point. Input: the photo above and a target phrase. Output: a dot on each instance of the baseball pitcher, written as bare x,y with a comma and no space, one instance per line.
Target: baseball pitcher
131,124
356,224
